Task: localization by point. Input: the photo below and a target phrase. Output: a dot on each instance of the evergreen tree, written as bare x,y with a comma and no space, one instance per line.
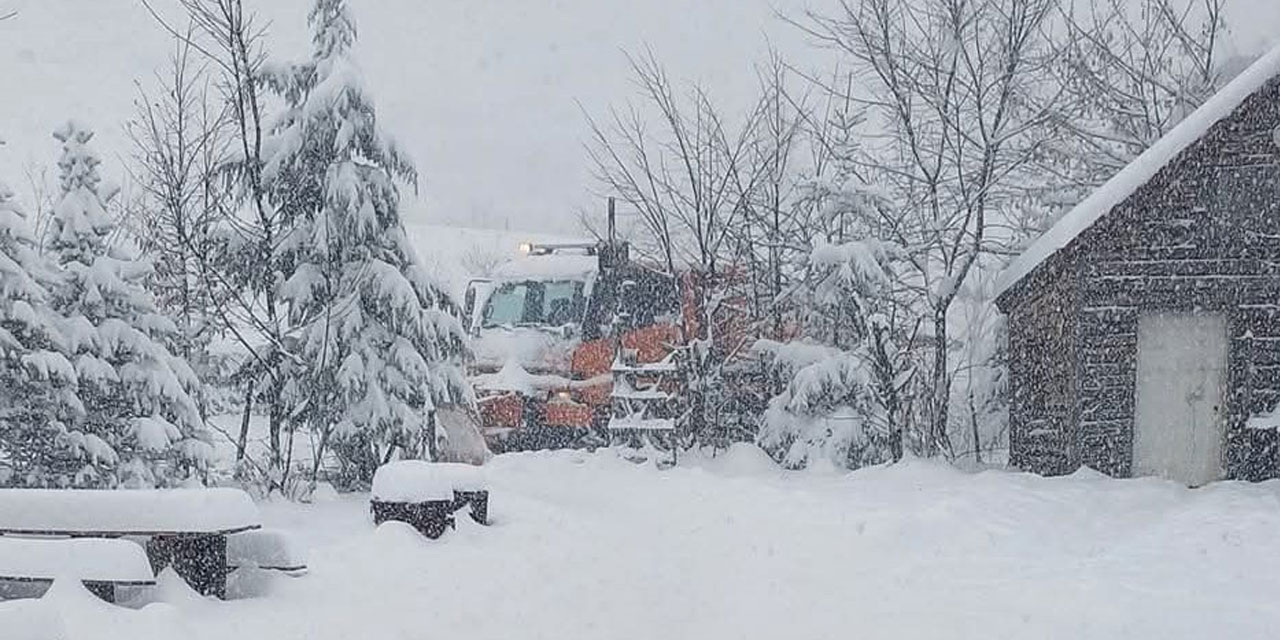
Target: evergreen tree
137,395
843,403
37,382
382,343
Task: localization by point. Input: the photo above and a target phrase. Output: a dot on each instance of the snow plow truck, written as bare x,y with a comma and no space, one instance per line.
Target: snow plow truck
546,335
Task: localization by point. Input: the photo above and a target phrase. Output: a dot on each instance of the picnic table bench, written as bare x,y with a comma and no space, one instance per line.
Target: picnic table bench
265,549
183,528
101,564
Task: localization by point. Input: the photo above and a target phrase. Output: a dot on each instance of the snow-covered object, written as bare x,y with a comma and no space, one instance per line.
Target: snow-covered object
422,481
832,412
550,267
741,459
462,477
533,349
141,512
796,354
513,377
138,409
463,441
858,265
265,549
409,481
1142,169
94,559
828,413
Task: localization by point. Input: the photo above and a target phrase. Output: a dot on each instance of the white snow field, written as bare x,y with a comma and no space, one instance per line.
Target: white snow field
592,546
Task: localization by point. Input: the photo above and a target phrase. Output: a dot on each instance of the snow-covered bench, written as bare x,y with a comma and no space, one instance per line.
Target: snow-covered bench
266,549
427,494
102,564
185,528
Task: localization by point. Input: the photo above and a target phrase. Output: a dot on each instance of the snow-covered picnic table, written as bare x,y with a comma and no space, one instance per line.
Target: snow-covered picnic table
183,528
426,494
94,513
102,564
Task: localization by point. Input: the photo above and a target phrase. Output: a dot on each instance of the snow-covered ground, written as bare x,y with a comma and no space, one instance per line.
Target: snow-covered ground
591,546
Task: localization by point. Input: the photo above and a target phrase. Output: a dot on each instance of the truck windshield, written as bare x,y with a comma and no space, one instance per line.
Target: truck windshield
551,303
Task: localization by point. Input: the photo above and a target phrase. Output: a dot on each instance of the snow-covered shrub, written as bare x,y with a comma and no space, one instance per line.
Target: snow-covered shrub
842,400
829,412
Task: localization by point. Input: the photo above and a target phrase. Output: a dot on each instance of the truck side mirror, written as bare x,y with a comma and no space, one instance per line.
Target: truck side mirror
473,303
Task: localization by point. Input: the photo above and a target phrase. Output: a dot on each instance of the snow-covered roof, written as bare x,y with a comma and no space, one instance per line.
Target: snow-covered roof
125,511
1142,169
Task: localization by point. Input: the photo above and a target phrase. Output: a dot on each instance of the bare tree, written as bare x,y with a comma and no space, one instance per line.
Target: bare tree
774,234
1133,71
956,96
683,168
180,146
247,274
43,196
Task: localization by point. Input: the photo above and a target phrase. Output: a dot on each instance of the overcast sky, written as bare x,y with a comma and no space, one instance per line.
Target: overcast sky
487,95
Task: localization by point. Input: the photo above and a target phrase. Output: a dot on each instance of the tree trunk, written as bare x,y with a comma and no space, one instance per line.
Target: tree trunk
433,427
243,441
973,422
941,385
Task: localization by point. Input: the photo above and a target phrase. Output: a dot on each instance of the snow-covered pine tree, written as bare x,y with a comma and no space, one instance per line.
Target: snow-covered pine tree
382,342
37,382
136,393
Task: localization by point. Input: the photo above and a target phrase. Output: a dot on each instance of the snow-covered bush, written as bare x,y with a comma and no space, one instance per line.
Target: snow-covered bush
829,411
841,404
139,423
